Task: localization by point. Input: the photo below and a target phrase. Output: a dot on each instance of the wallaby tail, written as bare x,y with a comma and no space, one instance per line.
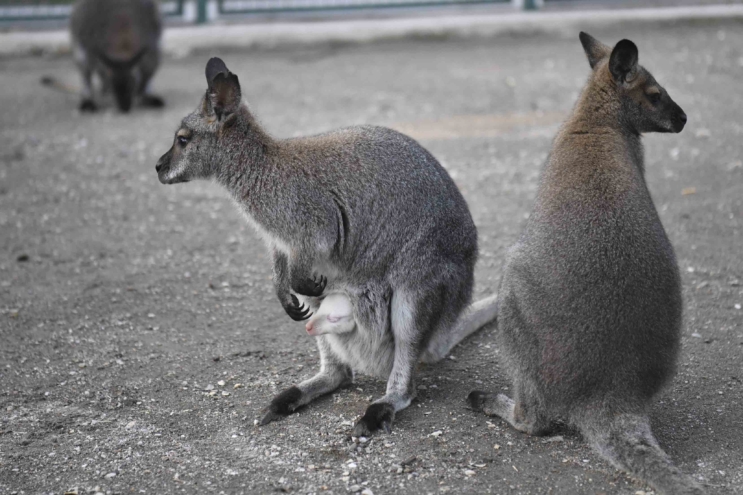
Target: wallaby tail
627,443
474,317
54,83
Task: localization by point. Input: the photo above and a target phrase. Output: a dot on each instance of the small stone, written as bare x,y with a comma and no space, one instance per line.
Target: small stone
237,385
221,383
225,393
209,387
130,425
110,475
555,439
496,446
737,306
354,488
367,491
436,434
734,283
469,472
702,285
696,335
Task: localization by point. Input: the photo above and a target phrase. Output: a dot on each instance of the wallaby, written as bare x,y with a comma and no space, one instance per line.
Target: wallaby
120,41
589,316
335,315
364,211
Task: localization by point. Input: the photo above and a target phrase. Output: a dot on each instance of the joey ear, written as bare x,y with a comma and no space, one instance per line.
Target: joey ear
223,93
595,50
623,61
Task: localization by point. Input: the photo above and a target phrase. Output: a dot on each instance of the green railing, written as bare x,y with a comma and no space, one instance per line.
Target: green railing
202,11
45,10
228,7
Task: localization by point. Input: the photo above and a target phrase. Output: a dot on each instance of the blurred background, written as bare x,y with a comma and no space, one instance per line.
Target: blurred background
139,333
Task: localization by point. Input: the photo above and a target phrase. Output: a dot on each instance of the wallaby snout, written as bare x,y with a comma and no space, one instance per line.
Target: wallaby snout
163,167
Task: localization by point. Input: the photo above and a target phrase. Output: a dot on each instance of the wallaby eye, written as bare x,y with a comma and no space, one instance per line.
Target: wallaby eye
182,140
654,98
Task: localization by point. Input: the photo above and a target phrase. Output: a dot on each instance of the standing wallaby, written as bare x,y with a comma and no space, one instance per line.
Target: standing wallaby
120,41
364,211
589,317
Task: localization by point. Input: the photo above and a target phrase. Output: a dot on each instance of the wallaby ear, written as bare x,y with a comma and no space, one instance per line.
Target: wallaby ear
623,61
595,50
223,93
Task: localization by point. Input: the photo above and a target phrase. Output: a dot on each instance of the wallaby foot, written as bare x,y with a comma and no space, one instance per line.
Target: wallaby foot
378,416
152,101
283,405
333,374
88,105
522,417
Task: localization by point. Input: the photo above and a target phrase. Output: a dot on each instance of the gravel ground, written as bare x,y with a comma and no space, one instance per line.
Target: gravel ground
140,337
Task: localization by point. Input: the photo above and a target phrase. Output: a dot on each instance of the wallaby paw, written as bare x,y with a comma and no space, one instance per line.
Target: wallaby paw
296,311
88,105
152,101
311,288
282,405
377,417
476,400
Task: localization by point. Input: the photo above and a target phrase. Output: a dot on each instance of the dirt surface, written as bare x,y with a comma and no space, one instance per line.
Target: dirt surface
140,337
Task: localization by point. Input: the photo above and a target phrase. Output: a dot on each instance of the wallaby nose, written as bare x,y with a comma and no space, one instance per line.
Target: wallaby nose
682,117
159,166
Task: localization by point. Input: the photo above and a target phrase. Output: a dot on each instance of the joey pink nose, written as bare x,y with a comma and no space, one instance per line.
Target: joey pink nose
308,326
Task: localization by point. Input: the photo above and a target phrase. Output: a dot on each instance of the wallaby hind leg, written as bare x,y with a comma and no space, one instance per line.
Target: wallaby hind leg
333,374
87,104
148,65
525,413
472,319
411,314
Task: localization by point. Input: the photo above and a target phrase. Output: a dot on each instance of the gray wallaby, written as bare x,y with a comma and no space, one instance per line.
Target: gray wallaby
363,211
589,317
120,41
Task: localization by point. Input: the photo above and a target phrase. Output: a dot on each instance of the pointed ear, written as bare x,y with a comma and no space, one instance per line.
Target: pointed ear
223,94
623,61
595,50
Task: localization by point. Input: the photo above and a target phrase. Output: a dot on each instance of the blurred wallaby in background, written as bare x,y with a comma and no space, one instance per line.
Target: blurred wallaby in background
364,213
120,41
589,318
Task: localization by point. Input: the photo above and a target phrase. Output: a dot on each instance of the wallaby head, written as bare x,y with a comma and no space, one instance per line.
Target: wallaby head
206,137
644,105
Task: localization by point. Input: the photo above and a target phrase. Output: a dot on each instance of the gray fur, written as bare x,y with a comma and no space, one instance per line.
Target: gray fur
364,211
589,317
120,41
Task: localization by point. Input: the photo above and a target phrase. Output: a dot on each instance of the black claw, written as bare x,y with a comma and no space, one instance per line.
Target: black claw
88,105
377,417
152,101
296,311
282,405
476,399
313,287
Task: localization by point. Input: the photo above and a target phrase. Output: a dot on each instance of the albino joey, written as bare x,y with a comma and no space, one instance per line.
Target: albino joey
119,40
364,211
589,318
